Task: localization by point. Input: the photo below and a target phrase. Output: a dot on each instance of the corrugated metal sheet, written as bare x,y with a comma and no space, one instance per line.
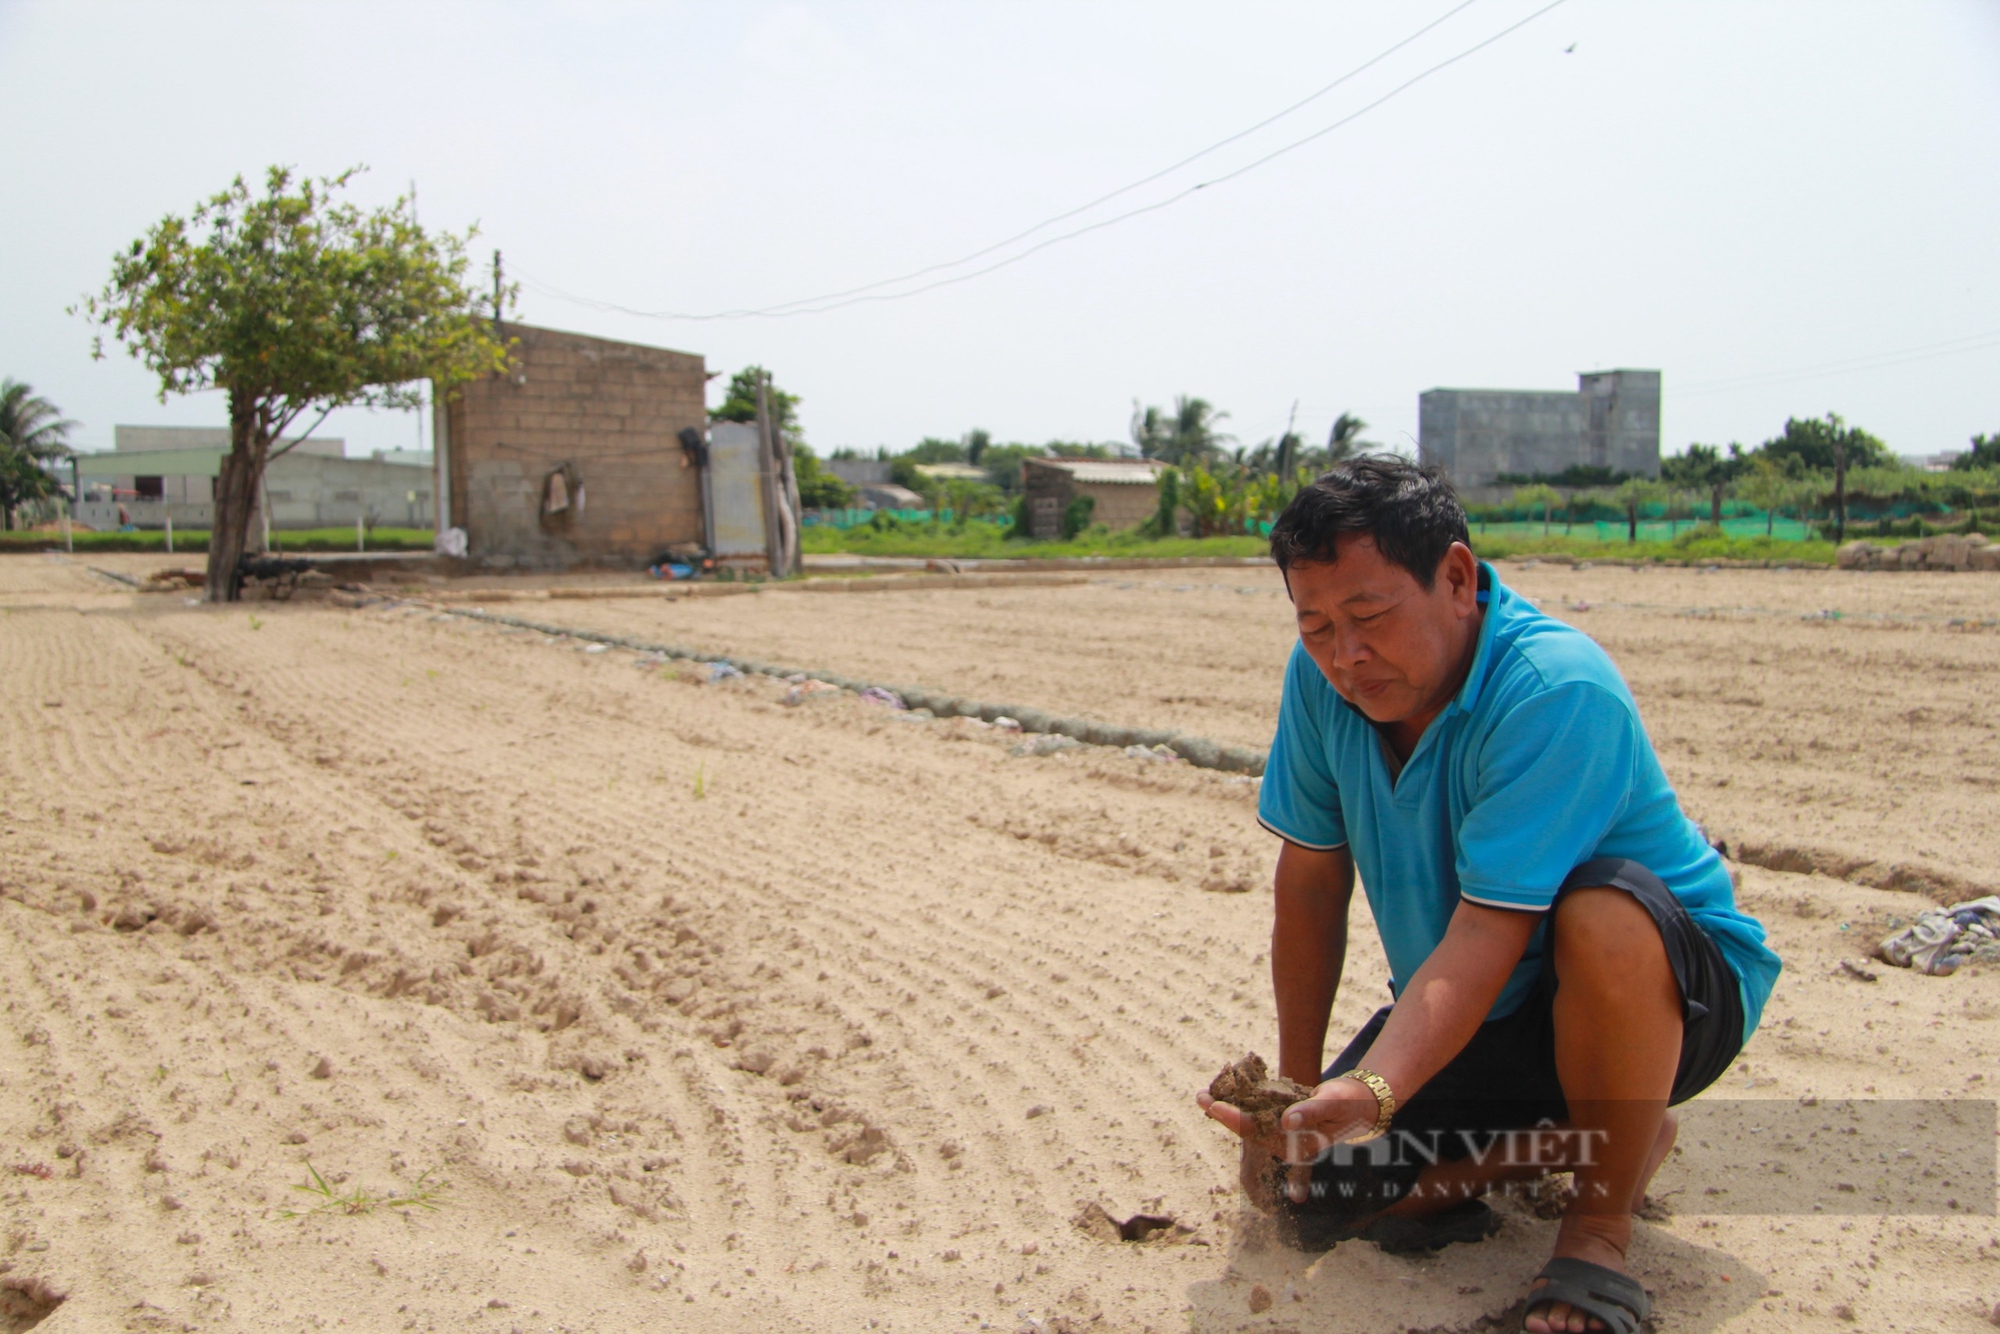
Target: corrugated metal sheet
1100,471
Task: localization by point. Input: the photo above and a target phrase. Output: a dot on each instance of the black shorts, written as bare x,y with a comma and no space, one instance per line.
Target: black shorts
1505,1077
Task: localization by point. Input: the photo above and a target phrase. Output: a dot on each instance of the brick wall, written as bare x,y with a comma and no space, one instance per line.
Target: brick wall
610,410
1121,505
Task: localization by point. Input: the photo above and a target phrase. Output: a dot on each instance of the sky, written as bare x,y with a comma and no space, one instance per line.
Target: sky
1786,208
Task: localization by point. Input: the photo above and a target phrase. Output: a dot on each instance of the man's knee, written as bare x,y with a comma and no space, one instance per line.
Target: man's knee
1604,933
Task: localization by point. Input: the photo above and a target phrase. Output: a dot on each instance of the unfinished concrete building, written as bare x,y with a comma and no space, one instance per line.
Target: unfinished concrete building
573,457
1479,435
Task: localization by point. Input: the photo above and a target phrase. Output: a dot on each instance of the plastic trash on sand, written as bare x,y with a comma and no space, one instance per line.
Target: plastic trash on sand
1049,743
886,698
1160,753
1006,724
1941,939
805,690
720,671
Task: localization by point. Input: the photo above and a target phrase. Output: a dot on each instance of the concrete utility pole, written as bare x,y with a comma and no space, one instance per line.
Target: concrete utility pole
770,484
499,292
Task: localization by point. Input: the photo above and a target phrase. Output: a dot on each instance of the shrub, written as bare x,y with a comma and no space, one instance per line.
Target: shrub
1076,516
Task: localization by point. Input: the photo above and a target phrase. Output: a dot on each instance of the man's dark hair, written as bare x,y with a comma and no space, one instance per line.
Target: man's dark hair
1411,512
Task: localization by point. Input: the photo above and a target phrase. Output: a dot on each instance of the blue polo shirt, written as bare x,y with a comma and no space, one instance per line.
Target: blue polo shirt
1538,765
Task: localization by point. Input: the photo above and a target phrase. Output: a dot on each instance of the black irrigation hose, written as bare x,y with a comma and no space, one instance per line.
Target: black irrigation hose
1198,751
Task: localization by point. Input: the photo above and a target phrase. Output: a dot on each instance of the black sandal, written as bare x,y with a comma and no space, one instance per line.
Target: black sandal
1615,1298
1474,1220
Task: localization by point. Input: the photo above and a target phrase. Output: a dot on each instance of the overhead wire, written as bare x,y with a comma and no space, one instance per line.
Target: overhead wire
868,293
1870,362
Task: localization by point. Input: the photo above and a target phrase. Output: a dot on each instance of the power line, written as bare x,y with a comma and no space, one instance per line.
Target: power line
865,293
1874,361
1191,158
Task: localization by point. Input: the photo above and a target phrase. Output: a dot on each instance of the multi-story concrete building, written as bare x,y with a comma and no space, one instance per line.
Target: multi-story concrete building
1612,421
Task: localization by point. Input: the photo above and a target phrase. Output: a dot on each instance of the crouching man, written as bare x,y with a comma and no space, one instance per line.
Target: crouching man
1565,948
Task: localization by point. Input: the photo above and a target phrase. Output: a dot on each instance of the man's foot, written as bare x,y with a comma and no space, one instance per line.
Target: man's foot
1590,1239
1561,1317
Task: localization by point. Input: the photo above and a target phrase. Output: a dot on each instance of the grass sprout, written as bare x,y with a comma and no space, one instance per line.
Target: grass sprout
701,780
424,1193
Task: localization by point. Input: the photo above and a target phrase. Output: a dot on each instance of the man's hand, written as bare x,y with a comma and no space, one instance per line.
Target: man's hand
1338,1109
1263,1156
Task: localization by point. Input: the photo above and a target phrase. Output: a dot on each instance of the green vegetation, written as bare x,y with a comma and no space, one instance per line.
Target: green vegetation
1694,544
818,488
33,434
1815,480
907,538
1985,453
740,403
425,1193
294,303
195,541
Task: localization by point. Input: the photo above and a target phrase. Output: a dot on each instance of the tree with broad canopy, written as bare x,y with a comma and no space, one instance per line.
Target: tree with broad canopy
294,302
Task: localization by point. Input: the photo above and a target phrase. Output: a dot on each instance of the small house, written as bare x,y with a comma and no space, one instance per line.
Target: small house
1124,492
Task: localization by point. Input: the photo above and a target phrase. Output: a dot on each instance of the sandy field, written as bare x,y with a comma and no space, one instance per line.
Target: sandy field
590,997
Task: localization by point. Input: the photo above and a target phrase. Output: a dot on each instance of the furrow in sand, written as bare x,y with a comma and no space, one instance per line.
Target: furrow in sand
646,1035
603,831
1027,1027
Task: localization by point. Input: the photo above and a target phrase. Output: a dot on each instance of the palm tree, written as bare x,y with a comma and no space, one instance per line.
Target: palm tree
1195,438
1150,432
1186,437
1344,440
33,432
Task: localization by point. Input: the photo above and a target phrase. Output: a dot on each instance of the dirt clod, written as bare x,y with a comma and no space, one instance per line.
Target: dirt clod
1249,1086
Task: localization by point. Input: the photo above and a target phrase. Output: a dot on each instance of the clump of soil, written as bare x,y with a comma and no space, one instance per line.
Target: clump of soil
1249,1086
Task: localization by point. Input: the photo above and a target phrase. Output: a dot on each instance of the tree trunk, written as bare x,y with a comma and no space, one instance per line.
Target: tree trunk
1839,496
1715,504
236,488
1632,523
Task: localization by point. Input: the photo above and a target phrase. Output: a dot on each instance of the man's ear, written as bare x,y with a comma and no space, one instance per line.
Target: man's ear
1460,570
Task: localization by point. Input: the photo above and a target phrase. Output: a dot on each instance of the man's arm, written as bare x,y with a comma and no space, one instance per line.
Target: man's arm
1434,1017
1308,950
1448,999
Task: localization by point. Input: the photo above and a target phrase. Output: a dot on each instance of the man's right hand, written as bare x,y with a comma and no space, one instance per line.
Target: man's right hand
1263,1168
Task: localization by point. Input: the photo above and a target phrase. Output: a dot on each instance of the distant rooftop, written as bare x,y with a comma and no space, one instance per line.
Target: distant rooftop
1130,472
953,472
149,439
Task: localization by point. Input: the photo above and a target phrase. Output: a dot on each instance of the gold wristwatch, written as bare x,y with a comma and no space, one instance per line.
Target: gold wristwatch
1385,1103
